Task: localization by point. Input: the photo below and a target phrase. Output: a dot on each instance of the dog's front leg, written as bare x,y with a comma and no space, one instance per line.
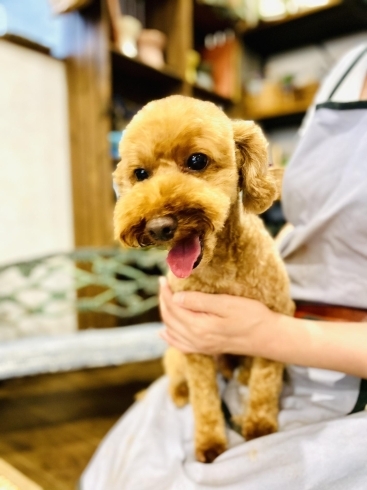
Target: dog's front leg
265,384
210,437
174,363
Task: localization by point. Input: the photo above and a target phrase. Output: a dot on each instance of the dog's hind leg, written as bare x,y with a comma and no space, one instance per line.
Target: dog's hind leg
175,367
265,384
244,370
210,436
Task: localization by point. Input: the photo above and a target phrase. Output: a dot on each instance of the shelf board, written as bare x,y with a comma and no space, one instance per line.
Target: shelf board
211,18
142,82
310,27
299,108
284,113
137,68
273,102
205,94
292,17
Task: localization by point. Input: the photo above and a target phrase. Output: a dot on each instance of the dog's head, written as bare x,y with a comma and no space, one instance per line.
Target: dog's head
183,164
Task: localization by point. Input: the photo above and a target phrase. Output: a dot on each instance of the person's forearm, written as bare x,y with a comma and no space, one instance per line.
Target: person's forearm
337,346
222,324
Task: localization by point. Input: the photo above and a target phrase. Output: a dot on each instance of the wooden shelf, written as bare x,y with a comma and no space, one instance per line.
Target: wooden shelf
205,94
278,111
211,18
314,26
137,68
142,81
292,17
275,105
129,71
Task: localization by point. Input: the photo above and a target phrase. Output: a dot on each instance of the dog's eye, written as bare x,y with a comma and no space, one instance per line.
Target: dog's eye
197,161
141,174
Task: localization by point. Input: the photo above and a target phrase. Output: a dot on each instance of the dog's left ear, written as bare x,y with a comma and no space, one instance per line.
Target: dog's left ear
260,184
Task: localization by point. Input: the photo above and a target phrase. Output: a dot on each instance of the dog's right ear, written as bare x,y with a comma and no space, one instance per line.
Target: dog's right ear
260,185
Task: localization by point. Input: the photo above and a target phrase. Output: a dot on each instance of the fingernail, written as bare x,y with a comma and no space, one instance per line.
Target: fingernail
162,281
178,298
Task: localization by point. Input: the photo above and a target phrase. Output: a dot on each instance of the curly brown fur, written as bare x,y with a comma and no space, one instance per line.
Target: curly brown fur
238,256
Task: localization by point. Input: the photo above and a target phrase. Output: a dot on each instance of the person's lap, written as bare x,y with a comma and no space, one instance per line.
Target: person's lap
151,447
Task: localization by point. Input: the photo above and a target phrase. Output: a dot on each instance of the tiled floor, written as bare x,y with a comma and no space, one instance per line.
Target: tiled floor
51,425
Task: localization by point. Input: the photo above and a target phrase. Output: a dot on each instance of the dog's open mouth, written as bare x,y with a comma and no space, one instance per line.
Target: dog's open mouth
185,255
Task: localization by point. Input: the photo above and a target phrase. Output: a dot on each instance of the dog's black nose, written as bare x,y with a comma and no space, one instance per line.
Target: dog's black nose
163,228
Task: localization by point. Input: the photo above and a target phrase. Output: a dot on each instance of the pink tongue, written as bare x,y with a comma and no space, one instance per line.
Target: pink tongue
182,257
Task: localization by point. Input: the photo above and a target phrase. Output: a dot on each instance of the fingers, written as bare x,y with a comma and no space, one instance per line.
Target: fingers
195,301
164,287
172,311
188,330
177,343
175,319
203,303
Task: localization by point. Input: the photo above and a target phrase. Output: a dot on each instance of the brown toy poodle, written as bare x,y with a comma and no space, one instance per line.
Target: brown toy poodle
193,181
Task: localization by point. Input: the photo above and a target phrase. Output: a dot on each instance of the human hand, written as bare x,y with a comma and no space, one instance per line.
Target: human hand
221,324
215,323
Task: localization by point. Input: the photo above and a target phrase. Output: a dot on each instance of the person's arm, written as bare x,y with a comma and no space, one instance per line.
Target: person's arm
220,324
363,95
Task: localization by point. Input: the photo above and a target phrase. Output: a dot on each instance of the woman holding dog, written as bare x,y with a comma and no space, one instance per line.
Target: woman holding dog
322,443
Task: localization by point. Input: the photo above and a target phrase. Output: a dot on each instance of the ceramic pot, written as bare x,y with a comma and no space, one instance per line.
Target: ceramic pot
151,46
129,29
63,6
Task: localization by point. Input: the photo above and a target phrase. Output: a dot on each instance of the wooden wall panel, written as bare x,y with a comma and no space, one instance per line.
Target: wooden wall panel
88,62
174,17
88,68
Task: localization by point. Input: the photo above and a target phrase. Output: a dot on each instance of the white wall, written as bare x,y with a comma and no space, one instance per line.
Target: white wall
35,182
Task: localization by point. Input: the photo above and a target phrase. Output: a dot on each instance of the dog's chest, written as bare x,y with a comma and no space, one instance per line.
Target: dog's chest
248,267
221,280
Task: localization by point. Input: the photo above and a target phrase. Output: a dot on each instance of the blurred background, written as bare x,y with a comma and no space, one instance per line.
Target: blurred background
78,316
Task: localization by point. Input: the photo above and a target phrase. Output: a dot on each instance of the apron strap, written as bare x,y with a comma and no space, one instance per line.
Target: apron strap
343,77
361,403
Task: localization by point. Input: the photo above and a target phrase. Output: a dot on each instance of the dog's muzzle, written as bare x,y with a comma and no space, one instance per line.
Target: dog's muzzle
185,249
162,229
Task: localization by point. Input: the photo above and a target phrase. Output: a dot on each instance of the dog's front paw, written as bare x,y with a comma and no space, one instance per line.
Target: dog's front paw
210,452
180,394
252,429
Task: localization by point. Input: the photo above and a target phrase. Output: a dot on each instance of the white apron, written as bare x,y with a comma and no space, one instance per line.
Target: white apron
317,446
325,198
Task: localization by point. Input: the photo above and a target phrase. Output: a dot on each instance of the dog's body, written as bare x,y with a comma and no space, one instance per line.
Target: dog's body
194,161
